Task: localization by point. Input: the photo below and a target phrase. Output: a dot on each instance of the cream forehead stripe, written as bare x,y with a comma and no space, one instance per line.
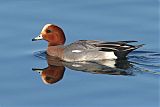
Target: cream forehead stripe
46,26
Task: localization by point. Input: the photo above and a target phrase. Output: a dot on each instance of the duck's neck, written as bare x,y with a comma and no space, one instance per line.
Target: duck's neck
54,44
57,41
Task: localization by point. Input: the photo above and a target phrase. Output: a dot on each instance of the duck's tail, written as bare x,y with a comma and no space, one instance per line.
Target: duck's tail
120,48
122,54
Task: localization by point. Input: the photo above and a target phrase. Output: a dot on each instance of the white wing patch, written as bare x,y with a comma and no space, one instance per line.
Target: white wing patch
110,55
76,51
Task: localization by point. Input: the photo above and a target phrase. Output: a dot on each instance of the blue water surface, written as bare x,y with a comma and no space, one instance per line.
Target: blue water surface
109,20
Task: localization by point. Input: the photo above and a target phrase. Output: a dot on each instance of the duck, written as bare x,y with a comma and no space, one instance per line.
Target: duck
83,50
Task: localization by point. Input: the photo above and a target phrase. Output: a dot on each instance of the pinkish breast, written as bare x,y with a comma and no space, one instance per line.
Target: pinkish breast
56,51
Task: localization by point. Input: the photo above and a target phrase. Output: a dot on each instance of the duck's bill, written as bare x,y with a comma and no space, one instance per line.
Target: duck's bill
40,37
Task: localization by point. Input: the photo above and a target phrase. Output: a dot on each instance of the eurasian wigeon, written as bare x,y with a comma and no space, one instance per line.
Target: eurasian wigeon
82,50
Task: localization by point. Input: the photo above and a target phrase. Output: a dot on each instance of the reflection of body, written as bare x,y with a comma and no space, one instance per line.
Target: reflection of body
55,70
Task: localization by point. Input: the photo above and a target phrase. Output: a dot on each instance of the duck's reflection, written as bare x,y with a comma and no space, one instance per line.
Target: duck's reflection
56,68
51,74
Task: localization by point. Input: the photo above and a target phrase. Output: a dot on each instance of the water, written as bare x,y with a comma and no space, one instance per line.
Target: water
109,20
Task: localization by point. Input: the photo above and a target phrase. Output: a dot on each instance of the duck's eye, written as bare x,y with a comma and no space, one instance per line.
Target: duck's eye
48,31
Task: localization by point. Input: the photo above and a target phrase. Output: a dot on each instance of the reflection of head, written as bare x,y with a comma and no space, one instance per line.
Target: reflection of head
52,74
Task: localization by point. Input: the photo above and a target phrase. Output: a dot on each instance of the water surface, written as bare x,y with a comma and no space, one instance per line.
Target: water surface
109,20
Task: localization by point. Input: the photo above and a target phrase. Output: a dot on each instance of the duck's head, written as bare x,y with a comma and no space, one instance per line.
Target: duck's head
53,34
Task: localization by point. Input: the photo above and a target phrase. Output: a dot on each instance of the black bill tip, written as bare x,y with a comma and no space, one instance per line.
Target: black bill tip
33,39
